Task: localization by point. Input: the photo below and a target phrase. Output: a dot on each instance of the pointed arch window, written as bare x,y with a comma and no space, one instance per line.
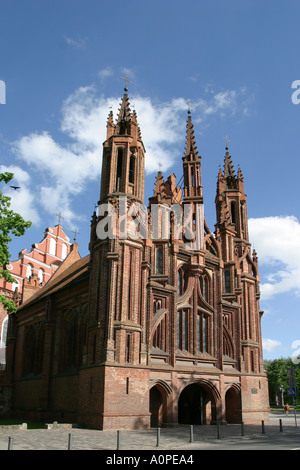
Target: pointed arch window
131,169
203,322
34,342
159,261
233,212
182,330
120,155
204,333
227,281
192,176
130,284
204,287
242,217
128,347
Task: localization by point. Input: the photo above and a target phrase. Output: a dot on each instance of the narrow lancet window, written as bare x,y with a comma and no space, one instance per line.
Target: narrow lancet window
131,169
119,169
159,265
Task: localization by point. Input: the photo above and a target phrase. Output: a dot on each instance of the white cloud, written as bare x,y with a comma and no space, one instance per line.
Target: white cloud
270,344
277,242
77,43
66,169
225,99
221,104
105,73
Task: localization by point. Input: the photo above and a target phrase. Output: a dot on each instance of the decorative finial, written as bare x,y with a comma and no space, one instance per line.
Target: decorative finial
126,81
189,105
227,140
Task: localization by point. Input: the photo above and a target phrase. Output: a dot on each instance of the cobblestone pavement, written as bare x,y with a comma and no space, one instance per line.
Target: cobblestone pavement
180,438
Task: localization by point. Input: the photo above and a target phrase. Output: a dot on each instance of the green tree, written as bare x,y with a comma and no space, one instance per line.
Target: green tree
11,223
277,373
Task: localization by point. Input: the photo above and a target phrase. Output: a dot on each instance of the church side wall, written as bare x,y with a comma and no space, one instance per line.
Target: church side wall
90,400
126,402
255,399
27,399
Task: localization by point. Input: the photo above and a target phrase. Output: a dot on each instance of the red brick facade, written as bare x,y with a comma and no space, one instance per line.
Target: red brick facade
31,271
147,331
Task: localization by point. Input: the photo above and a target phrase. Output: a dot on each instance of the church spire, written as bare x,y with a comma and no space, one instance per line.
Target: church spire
123,125
123,160
231,203
228,167
229,173
191,153
191,165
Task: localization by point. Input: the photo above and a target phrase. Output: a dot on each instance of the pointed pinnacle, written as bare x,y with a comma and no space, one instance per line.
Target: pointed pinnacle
190,138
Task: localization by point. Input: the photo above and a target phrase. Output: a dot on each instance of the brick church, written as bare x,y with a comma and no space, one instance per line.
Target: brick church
30,272
146,331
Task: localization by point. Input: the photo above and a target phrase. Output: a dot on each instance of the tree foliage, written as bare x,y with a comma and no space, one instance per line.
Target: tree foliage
277,373
11,224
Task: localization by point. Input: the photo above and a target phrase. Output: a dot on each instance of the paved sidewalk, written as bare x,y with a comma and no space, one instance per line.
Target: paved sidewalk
173,439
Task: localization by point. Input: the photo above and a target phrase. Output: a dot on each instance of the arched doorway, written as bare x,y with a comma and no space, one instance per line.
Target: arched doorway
233,405
196,405
156,407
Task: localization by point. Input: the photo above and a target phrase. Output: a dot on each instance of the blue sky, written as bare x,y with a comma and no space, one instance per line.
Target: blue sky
61,62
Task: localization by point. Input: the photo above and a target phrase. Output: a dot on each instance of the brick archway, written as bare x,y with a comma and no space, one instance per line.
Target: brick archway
197,403
233,404
158,403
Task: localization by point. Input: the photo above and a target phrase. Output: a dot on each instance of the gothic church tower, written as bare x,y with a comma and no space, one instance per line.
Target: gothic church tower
240,273
123,163
116,286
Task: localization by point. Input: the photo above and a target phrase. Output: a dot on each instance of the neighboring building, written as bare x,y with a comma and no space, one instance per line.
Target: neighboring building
147,331
31,271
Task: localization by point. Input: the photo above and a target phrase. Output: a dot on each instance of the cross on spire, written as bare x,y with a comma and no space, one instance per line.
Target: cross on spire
75,233
59,216
189,105
227,140
126,81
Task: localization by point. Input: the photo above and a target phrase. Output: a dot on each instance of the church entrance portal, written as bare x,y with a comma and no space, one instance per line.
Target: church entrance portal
233,406
195,405
156,407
